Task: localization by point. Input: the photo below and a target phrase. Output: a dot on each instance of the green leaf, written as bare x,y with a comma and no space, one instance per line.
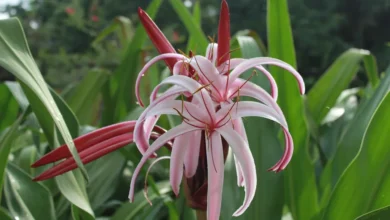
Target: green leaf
382,213
351,140
192,26
72,187
4,214
26,157
129,210
196,14
369,169
301,190
104,174
27,199
6,142
325,92
18,94
84,96
79,214
16,58
119,93
266,149
8,107
371,69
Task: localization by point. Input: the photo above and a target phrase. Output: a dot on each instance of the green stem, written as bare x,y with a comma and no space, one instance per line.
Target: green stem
201,215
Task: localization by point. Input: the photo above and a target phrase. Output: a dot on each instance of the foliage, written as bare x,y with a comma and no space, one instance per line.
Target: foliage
340,134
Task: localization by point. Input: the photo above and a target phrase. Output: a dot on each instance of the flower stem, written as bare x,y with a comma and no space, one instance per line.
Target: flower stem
201,215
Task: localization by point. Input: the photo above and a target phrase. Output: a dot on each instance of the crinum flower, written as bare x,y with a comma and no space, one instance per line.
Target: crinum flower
205,92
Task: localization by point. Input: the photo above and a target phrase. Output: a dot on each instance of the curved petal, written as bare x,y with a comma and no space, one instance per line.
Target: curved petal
249,108
180,146
252,90
251,63
215,173
180,68
173,107
192,154
245,158
140,131
148,65
157,144
287,155
236,61
195,88
239,127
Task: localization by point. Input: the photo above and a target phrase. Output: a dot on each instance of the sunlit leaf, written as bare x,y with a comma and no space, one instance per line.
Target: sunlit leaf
351,139
16,58
368,170
339,75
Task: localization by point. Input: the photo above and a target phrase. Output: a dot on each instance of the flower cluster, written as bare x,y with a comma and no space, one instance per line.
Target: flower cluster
205,92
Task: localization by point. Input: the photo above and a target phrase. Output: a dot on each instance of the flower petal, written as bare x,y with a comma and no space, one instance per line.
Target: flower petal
287,155
173,107
148,65
192,154
245,158
140,130
157,144
180,146
236,61
196,89
251,63
215,173
208,74
250,108
250,89
239,127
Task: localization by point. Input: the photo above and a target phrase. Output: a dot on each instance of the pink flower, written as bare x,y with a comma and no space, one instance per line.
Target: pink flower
211,112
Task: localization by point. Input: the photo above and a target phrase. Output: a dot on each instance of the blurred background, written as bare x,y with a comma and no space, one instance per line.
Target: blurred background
61,33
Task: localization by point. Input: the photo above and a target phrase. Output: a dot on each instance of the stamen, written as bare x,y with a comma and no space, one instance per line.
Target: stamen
194,116
181,114
147,173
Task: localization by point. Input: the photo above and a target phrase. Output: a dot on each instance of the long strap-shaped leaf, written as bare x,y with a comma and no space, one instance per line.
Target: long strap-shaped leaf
16,57
365,184
301,190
